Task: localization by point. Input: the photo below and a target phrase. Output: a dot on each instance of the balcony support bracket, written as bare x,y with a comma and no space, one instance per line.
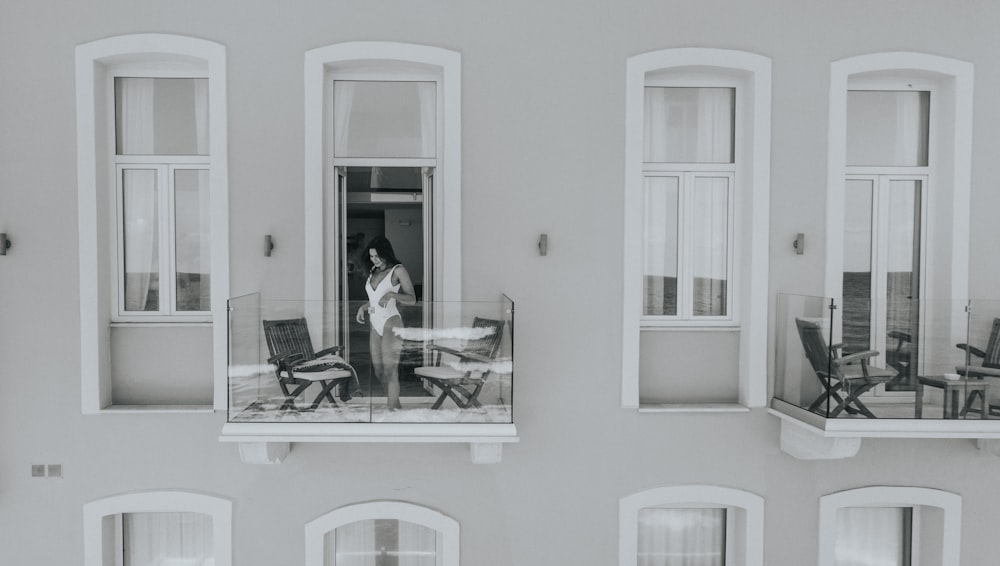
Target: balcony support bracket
989,446
264,452
486,452
805,443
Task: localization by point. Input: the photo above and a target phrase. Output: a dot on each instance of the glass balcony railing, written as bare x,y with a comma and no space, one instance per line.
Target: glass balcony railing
313,362
899,359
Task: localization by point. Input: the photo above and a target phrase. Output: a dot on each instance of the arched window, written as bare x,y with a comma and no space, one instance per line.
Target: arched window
153,220
691,525
697,178
383,153
368,534
909,526
168,527
898,189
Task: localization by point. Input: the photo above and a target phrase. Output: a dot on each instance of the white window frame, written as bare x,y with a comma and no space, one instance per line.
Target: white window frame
97,63
168,312
950,82
891,496
378,60
750,74
744,519
447,529
96,545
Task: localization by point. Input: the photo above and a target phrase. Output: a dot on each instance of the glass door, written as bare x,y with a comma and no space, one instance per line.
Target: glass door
882,271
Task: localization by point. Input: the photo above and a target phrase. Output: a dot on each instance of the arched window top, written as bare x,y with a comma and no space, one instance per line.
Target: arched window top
905,61
746,525
152,47
892,496
446,527
700,57
674,496
351,55
95,512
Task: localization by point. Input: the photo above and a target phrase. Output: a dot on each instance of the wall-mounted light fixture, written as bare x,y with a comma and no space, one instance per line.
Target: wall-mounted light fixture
800,243
268,245
543,244
4,243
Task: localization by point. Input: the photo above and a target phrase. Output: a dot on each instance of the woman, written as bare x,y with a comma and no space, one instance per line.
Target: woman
388,284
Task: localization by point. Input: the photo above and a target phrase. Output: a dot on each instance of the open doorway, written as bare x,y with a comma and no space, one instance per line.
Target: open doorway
389,202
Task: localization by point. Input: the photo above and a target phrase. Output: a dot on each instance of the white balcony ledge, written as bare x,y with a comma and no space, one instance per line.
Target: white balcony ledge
270,443
693,408
807,435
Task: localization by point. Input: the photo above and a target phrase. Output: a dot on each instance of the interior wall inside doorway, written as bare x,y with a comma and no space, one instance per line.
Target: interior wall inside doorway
403,227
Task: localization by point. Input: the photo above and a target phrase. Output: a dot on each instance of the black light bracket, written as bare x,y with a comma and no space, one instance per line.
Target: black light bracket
4,243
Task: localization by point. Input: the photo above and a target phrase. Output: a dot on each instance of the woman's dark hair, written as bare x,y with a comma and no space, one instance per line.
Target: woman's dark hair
384,250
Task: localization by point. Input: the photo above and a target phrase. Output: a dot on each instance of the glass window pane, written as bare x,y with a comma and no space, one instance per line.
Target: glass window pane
887,127
661,246
689,125
167,538
161,116
141,239
857,281
377,542
682,537
873,536
384,119
193,239
710,235
903,275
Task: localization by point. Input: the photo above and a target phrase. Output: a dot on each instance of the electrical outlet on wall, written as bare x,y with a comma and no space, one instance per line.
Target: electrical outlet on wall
38,470
54,471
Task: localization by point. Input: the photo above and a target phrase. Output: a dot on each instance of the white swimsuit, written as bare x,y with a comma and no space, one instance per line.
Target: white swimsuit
379,314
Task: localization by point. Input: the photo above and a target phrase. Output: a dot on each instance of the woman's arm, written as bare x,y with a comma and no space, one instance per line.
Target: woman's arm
360,316
406,295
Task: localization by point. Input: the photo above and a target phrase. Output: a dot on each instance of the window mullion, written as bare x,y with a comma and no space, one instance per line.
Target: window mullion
685,276
880,241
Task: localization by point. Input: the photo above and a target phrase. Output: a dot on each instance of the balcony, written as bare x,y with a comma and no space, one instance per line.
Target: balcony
448,353
852,369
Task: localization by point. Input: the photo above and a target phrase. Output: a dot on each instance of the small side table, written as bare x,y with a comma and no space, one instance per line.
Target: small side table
953,390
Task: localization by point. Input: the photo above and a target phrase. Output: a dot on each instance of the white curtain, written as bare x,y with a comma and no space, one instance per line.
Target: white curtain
135,99
428,118
343,101
167,539
201,116
688,125
141,262
353,545
870,536
417,545
682,537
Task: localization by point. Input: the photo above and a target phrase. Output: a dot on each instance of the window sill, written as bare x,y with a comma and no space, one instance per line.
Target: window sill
136,409
158,323
686,326
693,408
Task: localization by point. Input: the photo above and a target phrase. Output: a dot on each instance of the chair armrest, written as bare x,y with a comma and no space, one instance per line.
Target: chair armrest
972,350
286,358
461,354
862,356
977,371
330,350
900,335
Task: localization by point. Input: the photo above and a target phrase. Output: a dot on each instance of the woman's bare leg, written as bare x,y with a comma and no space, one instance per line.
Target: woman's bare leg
392,345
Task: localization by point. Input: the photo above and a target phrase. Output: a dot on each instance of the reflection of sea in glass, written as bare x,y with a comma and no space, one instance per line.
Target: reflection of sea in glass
192,239
141,239
710,235
660,251
857,277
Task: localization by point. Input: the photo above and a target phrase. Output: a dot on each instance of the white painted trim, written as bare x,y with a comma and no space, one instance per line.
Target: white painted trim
950,74
157,50
447,195
749,505
754,179
446,527
886,496
220,510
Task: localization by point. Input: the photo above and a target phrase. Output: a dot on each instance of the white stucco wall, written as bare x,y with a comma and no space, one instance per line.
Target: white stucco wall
543,110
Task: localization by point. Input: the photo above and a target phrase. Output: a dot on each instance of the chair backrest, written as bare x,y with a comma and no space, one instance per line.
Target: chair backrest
289,336
992,358
818,353
489,344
